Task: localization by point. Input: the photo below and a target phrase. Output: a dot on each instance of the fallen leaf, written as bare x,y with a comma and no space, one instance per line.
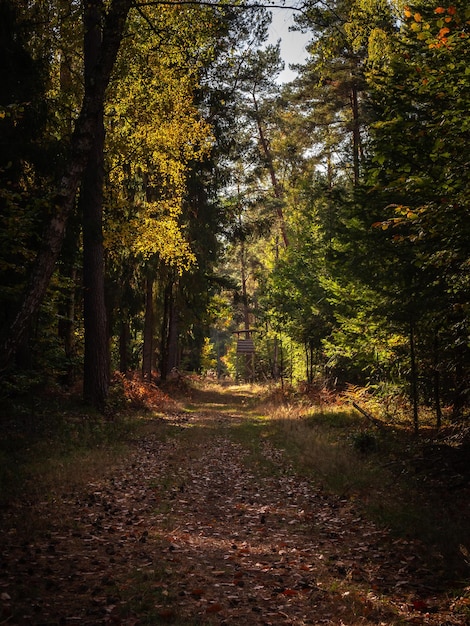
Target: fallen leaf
289,592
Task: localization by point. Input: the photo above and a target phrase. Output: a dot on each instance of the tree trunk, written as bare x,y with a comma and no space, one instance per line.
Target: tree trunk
437,383
248,358
357,149
356,134
66,327
124,340
147,353
275,359
460,393
278,192
309,360
246,310
165,330
96,360
81,144
173,329
414,378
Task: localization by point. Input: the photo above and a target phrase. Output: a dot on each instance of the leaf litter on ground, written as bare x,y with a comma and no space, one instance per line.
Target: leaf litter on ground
189,530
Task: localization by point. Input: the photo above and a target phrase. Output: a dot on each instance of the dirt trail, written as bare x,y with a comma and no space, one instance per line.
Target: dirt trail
193,529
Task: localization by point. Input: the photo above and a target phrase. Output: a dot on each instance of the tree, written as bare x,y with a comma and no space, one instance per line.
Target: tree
332,80
424,177
156,138
63,202
235,33
96,358
23,153
261,91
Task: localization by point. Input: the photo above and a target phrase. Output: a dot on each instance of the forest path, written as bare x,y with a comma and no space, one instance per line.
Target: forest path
205,522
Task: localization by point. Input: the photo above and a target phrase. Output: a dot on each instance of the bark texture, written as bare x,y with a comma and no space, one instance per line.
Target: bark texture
96,360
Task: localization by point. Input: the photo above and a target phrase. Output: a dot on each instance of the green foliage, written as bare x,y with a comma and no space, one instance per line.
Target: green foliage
375,281
360,166
208,356
163,206
423,178
364,441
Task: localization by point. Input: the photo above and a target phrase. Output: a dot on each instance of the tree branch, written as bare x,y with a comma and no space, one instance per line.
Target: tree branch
217,5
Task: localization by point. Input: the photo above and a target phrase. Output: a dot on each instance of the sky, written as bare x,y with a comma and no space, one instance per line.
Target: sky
292,43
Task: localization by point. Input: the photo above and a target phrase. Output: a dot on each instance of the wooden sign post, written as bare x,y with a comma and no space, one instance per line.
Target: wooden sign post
246,349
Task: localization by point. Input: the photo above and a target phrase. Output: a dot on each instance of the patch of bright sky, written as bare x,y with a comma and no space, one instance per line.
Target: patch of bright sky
292,43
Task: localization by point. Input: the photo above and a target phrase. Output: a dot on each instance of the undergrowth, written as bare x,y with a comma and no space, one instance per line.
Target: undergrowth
54,441
60,450
392,475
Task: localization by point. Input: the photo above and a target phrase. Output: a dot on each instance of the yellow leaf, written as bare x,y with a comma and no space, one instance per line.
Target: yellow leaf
418,17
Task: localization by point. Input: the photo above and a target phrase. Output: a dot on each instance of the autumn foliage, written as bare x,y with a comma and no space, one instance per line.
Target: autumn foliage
138,394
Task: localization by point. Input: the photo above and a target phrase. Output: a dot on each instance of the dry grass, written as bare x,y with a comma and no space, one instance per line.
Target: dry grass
393,476
331,445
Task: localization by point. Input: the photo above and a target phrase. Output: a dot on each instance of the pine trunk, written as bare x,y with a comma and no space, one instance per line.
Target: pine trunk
277,188
66,328
356,134
437,383
164,331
